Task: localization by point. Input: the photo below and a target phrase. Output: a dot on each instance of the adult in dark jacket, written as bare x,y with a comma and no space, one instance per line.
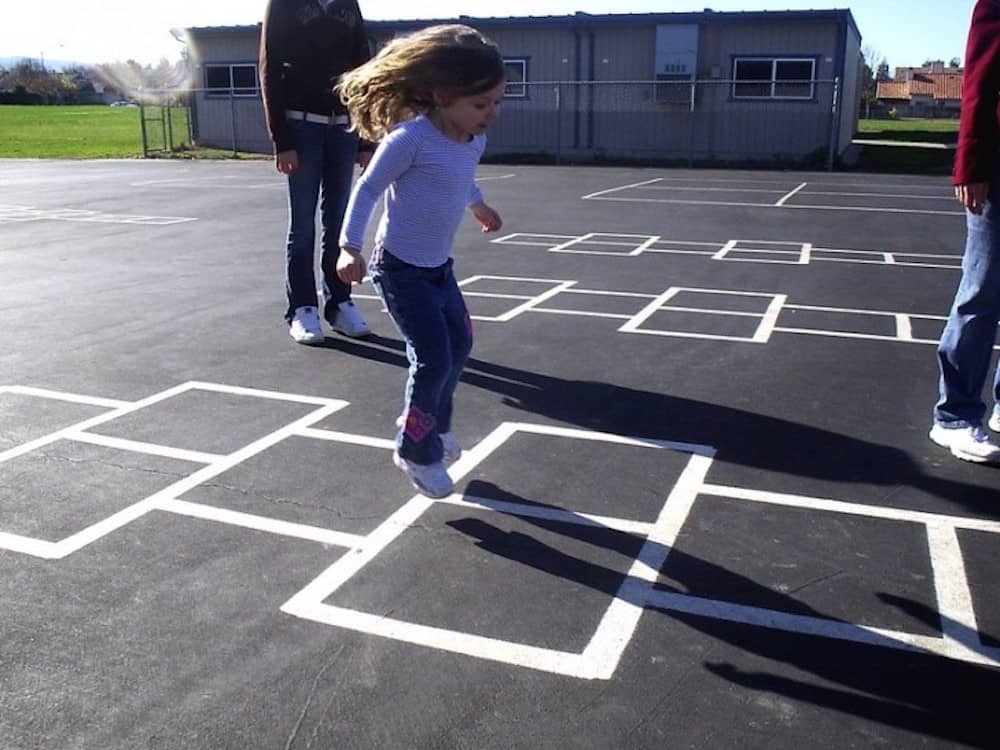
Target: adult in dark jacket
967,343
305,46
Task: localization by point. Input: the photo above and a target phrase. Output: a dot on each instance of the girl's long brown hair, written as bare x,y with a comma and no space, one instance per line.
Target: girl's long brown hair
401,81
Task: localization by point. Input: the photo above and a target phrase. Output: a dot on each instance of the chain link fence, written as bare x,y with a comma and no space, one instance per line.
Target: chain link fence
165,122
716,122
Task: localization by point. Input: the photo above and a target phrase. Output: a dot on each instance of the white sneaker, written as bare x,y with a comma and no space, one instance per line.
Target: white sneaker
994,423
305,327
967,443
452,448
349,321
431,479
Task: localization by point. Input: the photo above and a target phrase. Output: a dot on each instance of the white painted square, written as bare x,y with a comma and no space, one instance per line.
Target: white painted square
761,335
518,303
214,464
600,657
781,253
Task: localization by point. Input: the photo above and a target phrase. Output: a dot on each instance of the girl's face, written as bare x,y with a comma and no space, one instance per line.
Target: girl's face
462,117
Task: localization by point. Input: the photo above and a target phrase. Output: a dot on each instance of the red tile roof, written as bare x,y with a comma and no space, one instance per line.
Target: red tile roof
946,86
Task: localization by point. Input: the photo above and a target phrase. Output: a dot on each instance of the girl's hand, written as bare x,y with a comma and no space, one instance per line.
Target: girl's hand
286,162
487,217
350,266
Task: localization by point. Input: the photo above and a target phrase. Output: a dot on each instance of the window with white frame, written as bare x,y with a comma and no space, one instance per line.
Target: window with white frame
773,77
516,72
240,78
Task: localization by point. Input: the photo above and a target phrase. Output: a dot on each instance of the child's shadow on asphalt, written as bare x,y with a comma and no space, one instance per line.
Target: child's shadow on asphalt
740,437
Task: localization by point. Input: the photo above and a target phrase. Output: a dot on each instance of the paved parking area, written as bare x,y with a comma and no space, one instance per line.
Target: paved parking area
697,506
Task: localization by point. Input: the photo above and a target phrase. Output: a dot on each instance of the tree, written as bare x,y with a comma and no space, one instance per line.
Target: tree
869,76
955,63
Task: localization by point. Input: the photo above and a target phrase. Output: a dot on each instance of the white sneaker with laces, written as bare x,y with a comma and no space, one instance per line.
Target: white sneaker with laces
431,479
995,421
349,321
305,327
969,443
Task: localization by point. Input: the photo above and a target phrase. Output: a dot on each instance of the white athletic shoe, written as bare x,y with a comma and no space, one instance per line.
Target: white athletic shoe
995,421
305,327
349,321
967,443
431,479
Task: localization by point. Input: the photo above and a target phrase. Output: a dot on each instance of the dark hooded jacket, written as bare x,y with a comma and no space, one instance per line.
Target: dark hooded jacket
305,46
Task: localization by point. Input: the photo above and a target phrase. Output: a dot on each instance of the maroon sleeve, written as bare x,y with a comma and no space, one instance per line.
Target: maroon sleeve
273,52
979,130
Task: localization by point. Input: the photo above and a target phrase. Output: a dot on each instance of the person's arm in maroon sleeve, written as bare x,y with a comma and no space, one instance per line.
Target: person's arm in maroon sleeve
273,43
979,129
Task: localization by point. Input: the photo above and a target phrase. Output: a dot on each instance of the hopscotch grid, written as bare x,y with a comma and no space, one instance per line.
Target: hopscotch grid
662,184
29,213
959,639
807,252
769,317
163,498
738,204
600,658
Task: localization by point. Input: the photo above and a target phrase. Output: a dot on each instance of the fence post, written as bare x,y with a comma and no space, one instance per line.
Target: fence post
559,123
170,123
232,118
834,125
691,116
142,128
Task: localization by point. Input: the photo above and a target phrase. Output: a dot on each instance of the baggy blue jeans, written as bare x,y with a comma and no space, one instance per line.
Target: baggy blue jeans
966,346
326,168
427,308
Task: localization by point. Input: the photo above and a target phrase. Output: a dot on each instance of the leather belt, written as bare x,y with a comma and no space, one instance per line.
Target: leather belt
296,114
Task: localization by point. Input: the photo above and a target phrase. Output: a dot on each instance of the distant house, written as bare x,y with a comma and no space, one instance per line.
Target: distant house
934,91
767,86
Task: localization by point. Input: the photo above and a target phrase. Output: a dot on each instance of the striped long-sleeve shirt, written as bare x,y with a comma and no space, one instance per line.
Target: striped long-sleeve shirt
429,181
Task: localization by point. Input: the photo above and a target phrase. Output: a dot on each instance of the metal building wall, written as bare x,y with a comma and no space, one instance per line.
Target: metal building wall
591,95
850,101
222,121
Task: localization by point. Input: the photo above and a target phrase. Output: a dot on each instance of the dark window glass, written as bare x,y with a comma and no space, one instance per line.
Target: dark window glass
516,72
793,78
753,78
245,79
217,76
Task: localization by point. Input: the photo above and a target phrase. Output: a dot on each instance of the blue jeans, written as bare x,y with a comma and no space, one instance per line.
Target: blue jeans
966,346
428,309
326,168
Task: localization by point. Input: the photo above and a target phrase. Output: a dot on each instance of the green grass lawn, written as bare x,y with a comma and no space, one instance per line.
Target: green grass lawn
902,158
86,132
909,129
70,132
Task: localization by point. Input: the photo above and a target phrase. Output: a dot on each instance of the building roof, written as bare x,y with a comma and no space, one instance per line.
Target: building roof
938,86
580,19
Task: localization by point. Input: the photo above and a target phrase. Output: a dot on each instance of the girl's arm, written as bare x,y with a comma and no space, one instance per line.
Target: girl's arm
394,155
486,216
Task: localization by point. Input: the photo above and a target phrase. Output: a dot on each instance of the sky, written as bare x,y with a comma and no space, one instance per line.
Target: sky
903,32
